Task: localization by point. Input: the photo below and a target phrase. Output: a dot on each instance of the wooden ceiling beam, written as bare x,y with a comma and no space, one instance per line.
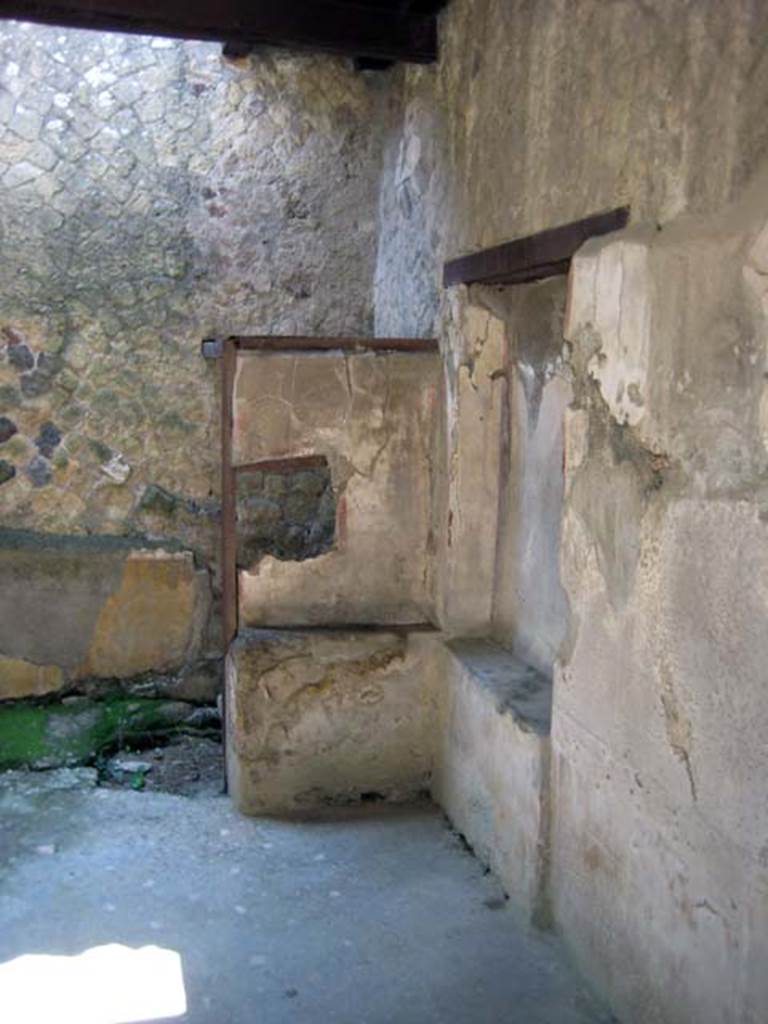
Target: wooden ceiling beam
334,26
302,343
534,257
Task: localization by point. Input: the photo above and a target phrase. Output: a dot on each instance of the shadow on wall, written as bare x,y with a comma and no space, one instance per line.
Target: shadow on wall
508,396
530,610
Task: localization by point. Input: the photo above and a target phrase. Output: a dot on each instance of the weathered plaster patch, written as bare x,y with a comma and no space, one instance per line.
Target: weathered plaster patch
678,727
325,717
19,678
610,295
151,620
96,606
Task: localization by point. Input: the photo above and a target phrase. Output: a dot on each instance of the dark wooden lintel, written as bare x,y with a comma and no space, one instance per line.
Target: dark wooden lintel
335,26
276,343
372,64
228,568
534,257
287,464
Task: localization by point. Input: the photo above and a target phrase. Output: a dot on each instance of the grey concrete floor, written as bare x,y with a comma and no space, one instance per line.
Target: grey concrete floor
378,916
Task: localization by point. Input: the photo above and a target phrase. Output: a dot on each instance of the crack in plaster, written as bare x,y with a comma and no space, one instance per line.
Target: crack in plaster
678,728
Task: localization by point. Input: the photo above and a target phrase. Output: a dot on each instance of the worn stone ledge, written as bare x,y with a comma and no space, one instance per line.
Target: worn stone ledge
515,687
491,773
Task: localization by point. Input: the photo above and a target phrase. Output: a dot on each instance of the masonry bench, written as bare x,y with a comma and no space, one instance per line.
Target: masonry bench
491,772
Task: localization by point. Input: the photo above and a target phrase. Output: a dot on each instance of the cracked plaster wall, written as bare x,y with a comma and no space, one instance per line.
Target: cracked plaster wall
374,417
537,114
152,194
660,699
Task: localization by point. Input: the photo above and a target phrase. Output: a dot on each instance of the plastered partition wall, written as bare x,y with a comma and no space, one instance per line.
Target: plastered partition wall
375,418
538,114
660,849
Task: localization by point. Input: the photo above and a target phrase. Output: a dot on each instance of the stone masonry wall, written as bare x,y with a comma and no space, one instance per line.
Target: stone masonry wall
153,194
289,514
542,112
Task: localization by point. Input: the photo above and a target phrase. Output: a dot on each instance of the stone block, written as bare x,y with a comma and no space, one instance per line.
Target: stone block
491,771
328,716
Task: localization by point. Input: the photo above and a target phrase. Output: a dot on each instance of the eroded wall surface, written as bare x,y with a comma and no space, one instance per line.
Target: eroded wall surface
373,417
322,717
84,608
537,114
540,113
152,194
660,697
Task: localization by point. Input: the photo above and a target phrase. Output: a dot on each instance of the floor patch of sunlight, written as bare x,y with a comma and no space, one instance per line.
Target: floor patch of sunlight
105,985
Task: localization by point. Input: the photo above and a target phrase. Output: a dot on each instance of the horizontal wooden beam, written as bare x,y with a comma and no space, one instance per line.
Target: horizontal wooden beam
545,254
359,627
287,464
372,64
287,343
335,26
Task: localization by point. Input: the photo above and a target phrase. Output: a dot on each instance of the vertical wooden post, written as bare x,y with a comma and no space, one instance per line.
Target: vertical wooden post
228,497
228,553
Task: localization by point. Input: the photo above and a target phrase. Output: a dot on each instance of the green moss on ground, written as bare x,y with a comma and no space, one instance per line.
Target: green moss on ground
53,735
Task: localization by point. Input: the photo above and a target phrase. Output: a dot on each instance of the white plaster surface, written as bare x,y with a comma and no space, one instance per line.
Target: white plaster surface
374,417
660,713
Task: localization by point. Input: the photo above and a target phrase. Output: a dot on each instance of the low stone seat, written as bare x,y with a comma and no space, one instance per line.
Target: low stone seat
492,765
326,716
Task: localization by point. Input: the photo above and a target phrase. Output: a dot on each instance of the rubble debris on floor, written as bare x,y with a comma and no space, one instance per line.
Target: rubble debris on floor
188,765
